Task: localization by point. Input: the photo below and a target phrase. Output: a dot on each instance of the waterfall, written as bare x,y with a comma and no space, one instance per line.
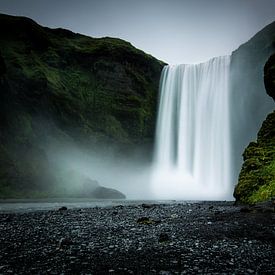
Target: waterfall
193,146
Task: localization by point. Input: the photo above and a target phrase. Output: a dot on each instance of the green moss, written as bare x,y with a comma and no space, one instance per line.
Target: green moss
94,91
257,178
89,77
114,129
264,193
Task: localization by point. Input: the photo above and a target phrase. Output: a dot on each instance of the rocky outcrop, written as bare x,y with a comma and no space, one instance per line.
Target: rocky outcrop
257,178
248,96
106,193
104,88
92,189
269,76
59,85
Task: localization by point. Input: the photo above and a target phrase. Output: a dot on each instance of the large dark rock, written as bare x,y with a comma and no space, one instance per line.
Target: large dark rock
106,193
92,189
248,96
269,76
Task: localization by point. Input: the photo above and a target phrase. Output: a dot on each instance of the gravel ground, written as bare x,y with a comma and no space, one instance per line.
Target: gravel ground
185,238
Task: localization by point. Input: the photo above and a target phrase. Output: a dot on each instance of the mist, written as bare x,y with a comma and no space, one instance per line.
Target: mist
127,98
72,165
137,137
133,172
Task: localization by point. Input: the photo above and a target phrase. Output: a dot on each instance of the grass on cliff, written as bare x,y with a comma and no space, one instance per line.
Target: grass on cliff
56,83
257,177
66,70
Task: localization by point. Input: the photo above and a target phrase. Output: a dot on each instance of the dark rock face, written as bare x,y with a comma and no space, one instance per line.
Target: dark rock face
56,84
3,68
257,178
269,76
248,94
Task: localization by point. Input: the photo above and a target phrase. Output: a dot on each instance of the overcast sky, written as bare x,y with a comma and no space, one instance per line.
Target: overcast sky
175,31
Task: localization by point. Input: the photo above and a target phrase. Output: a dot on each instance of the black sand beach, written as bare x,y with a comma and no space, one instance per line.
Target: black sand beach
184,238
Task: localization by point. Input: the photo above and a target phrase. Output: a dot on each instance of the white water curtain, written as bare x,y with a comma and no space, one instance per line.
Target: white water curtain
193,146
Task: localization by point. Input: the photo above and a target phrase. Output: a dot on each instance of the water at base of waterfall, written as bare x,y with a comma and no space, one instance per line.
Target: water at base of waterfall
193,146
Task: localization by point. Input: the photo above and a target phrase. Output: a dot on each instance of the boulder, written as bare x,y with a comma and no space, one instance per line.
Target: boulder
106,193
89,186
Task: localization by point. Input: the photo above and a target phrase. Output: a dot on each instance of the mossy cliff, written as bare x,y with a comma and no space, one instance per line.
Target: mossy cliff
59,84
257,178
103,86
248,96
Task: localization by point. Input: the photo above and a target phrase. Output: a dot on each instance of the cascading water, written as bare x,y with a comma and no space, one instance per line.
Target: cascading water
192,154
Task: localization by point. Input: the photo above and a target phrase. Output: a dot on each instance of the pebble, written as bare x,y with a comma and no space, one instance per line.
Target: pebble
97,241
163,237
63,208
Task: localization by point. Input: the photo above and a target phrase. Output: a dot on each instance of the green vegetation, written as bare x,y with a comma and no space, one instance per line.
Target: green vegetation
81,79
58,84
257,177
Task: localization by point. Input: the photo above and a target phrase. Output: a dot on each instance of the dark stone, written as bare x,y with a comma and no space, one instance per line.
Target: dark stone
8,219
147,206
64,242
119,206
42,242
268,210
63,208
269,76
144,220
163,237
246,210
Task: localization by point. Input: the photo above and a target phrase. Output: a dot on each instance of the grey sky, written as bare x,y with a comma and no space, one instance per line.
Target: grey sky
175,31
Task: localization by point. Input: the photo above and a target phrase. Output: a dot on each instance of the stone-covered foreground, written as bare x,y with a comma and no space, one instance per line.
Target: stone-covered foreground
207,238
